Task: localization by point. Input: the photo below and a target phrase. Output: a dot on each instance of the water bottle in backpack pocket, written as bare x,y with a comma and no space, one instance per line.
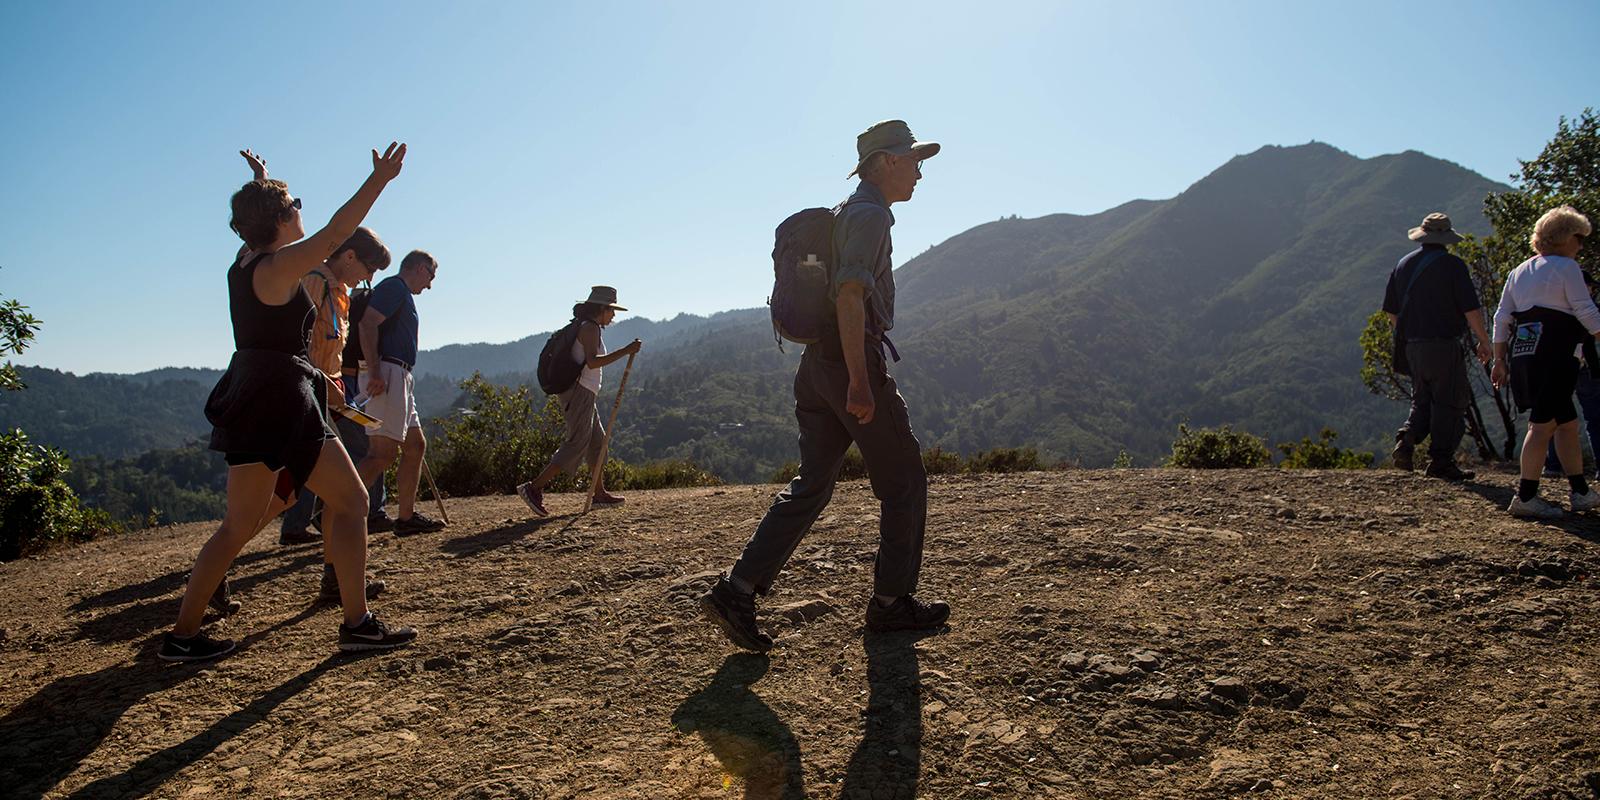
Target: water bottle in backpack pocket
802,269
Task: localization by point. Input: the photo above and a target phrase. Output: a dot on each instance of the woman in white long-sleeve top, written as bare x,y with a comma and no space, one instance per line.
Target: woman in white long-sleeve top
1545,315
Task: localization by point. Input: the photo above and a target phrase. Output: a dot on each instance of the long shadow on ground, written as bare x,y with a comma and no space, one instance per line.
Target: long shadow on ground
46,737
743,733
467,546
139,620
163,584
888,762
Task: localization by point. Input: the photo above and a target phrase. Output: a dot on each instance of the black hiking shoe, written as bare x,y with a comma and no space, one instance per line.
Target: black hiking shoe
1402,455
735,613
373,635
380,522
417,523
1447,470
198,647
301,536
906,613
222,600
329,593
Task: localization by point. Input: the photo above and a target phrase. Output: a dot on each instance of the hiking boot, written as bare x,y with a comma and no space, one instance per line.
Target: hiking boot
906,613
1537,508
417,523
1448,471
380,522
534,498
373,635
329,593
735,613
222,600
1402,454
609,499
198,647
1587,501
301,536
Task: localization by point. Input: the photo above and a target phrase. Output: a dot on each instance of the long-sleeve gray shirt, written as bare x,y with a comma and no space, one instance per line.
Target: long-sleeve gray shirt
861,238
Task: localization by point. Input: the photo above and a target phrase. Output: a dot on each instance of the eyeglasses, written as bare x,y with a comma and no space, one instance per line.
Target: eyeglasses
295,204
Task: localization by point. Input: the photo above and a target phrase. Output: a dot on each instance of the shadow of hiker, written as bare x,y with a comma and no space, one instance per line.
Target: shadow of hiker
164,584
466,546
1583,526
155,768
888,762
744,734
139,620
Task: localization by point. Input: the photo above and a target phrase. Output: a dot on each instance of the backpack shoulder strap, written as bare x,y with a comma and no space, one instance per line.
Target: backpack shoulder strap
1416,272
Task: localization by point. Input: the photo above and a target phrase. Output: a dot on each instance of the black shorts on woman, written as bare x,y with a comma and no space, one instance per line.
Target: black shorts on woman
270,407
1544,371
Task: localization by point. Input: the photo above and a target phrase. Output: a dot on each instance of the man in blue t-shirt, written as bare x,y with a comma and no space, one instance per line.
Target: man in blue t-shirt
389,349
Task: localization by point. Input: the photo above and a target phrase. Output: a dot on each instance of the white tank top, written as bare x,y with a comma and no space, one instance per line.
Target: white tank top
590,377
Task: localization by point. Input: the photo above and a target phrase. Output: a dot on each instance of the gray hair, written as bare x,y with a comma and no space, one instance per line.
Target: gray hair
873,167
1556,226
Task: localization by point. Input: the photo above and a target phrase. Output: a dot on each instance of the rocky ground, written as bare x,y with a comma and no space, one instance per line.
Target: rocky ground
1156,633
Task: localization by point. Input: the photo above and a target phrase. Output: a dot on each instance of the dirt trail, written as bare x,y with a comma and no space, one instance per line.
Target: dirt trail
1125,633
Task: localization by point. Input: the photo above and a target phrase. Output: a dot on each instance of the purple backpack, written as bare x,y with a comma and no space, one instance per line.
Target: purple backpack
802,271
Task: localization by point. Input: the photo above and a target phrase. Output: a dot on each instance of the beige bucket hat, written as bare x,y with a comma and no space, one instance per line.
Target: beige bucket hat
890,136
1435,229
604,296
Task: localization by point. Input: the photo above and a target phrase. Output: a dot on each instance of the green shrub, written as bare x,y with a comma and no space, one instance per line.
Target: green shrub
937,461
1322,454
505,437
37,508
1219,448
1122,461
1006,459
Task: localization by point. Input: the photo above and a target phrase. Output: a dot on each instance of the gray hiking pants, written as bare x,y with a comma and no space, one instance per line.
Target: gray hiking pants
584,435
1439,396
894,465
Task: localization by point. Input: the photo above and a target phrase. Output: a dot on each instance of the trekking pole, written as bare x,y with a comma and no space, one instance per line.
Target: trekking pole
605,444
434,487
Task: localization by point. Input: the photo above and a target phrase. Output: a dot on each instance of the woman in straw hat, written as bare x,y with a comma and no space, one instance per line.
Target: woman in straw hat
585,436
1545,315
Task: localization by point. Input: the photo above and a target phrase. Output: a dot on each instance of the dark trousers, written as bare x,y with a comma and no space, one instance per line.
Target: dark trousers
1439,396
894,465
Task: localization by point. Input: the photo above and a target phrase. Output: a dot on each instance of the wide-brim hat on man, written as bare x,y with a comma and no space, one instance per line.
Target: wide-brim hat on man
604,296
1435,229
890,136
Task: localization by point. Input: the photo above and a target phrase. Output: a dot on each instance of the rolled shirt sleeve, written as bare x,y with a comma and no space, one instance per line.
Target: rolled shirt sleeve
860,241
1502,315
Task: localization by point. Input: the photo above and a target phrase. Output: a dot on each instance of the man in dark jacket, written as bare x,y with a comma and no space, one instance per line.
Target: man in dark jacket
1430,301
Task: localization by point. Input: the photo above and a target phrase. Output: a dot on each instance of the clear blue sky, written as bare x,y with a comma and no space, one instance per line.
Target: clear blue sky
655,145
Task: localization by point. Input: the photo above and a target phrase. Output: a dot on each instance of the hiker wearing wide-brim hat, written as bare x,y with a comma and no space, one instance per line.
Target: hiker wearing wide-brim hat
844,395
570,368
1435,229
893,137
1431,302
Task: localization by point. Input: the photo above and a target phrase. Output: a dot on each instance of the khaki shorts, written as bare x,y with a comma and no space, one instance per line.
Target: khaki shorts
397,406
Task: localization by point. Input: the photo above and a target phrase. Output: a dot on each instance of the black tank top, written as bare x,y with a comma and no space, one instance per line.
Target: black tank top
258,326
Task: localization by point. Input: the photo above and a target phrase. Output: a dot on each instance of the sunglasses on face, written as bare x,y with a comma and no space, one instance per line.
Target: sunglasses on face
295,204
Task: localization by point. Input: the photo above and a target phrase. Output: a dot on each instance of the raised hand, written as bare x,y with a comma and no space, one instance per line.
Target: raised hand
258,165
387,166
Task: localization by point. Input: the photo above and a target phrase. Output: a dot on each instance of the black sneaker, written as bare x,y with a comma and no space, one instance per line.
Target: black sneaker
301,536
735,613
380,523
329,593
906,613
417,523
373,635
222,598
1447,470
198,647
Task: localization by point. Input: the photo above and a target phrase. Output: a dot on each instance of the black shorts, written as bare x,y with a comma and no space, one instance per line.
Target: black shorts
1552,382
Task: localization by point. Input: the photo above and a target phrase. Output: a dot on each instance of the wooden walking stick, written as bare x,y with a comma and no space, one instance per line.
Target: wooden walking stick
605,444
434,487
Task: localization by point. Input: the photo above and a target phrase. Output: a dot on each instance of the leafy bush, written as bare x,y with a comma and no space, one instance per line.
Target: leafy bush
505,437
1122,461
1322,454
937,461
1220,448
1006,459
37,508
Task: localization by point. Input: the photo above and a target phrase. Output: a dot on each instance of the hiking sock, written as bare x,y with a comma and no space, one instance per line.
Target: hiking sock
1578,483
1527,490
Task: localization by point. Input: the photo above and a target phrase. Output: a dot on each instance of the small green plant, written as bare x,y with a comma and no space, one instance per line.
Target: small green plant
37,508
1007,459
1322,454
1218,448
937,461
1122,461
